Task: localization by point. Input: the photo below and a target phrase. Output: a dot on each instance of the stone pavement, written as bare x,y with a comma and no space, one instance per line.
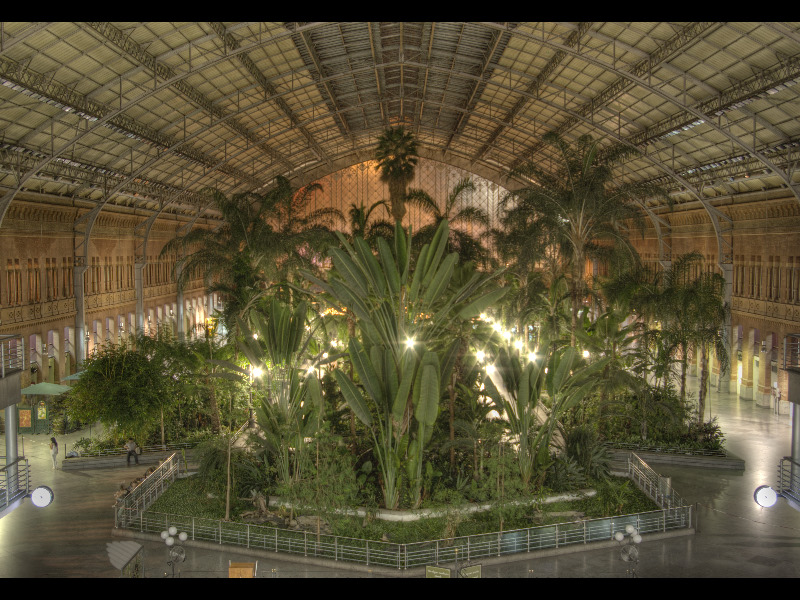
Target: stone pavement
735,538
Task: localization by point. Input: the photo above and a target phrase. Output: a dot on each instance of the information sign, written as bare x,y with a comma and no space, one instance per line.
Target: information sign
437,572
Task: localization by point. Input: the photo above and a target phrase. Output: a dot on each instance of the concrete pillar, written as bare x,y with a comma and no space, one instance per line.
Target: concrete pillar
746,386
138,281
763,396
80,317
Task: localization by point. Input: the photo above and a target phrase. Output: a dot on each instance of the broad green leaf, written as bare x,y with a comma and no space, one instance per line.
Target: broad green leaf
408,362
353,397
427,407
349,271
419,273
369,264
366,372
389,266
441,279
438,246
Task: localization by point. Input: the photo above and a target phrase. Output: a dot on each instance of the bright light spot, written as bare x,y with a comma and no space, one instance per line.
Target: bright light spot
518,344
310,370
545,369
409,342
490,368
585,354
507,335
255,336
483,316
531,356
324,355
497,327
257,372
480,355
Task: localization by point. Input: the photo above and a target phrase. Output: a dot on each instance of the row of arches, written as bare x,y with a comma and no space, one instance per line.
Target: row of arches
53,354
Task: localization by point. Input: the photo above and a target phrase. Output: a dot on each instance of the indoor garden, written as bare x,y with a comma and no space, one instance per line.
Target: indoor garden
358,362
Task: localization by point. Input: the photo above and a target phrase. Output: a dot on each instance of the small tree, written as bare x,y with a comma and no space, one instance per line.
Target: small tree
124,388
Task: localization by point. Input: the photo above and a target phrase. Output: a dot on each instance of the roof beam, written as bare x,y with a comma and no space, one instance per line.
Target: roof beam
533,89
680,40
134,51
244,58
305,38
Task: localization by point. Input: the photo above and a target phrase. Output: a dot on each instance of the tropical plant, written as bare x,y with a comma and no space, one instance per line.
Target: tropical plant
260,243
278,346
401,364
461,216
361,224
517,391
579,204
397,159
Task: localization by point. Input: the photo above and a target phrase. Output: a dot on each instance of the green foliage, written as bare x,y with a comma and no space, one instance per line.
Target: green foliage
583,445
564,475
402,364
246,472
121,387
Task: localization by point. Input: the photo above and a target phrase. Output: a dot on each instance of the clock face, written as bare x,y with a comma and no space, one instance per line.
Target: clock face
42,496
765,496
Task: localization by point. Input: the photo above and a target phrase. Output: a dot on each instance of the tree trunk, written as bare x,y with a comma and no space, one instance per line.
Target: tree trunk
701,395
397,192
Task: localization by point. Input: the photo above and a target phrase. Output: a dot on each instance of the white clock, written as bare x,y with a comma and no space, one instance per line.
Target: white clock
765,496
42,496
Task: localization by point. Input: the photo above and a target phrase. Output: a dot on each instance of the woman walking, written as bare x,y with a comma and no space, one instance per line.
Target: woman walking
54,452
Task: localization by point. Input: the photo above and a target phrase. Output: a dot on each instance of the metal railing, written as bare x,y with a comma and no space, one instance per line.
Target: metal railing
145,450
14,481
672,515
12,353
656,487
407,556
789,478
143,495
666,449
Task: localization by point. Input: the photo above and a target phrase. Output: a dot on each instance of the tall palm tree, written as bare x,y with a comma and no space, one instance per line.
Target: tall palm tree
578,202
707,314
460,216
397,159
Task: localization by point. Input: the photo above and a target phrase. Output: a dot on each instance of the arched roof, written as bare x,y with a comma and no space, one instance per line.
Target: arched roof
146,115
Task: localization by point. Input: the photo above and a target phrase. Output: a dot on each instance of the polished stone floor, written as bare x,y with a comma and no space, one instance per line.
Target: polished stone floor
735,537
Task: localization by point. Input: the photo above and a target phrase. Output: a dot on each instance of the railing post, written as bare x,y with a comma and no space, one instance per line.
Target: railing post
248,535
556,535
305,545
335,547
437,544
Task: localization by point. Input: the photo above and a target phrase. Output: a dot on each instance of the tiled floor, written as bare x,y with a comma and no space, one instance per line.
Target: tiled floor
736,538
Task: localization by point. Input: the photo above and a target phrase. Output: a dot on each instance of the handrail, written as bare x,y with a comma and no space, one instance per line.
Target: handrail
665,449
673,514
145,450
143,495
14,481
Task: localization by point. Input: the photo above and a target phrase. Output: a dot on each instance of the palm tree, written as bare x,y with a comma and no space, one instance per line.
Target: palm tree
469,247
261,241
580,205
708,313
361,226
397,159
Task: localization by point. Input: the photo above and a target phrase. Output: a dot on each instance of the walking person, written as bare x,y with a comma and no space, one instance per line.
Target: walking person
54,452
131,448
